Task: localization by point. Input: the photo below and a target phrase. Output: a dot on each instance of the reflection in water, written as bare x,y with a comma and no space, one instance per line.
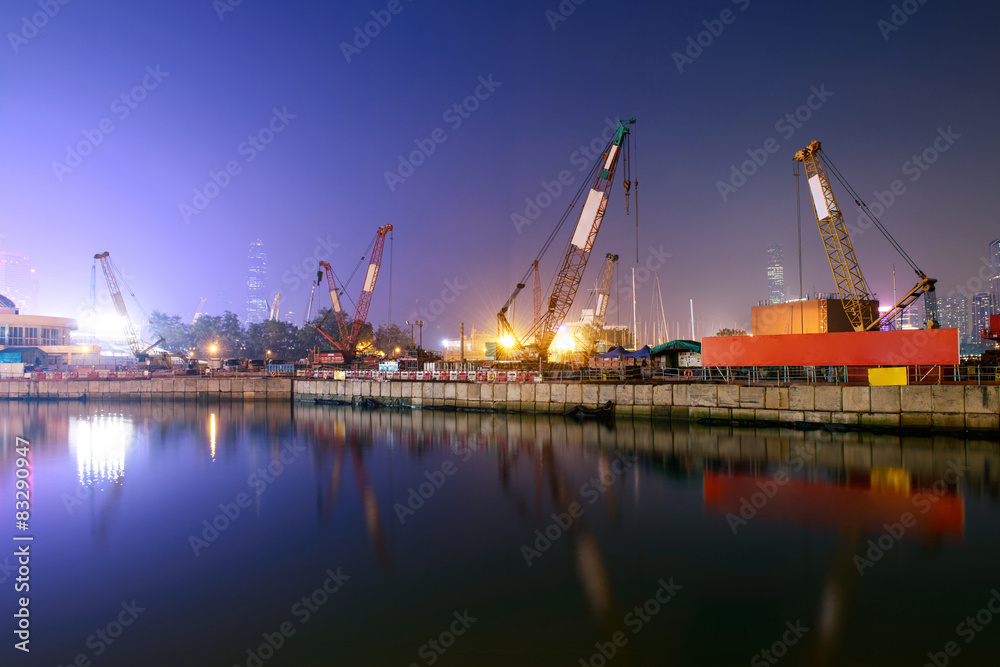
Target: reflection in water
100,443
211,434
659,508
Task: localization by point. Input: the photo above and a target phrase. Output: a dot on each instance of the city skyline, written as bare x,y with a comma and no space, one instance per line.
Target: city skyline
474,158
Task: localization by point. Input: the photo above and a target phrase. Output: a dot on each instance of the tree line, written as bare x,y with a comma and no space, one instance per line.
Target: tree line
234,339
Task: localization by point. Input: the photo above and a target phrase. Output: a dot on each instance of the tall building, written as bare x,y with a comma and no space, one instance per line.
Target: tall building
995,276
258,309
775,275
980,314
954,313
17,280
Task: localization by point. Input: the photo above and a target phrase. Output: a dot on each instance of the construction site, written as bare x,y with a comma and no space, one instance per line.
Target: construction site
842,339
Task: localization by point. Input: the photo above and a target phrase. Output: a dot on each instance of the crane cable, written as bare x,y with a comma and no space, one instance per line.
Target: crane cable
864,207
121,277
565,216
343,286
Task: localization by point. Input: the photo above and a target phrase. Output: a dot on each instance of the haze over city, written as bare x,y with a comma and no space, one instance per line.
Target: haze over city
176,134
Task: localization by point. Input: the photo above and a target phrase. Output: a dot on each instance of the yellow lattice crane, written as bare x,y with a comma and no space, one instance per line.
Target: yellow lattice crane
859,304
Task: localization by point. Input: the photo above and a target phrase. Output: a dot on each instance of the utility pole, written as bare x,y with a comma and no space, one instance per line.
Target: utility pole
461,338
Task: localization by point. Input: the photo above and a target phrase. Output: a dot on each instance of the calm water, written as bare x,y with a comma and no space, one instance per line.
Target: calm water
421,527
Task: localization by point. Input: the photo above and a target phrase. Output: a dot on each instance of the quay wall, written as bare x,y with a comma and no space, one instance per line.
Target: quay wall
925,407
176,388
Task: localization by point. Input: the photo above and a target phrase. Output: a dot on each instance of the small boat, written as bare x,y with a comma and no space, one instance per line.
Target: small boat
580,412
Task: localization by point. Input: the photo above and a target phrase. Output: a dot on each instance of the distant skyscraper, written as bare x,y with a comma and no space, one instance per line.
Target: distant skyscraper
995,276
17,280
980,315
775,275
954,313
258,309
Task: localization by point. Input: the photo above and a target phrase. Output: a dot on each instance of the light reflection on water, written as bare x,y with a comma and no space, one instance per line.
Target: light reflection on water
100,443
667,513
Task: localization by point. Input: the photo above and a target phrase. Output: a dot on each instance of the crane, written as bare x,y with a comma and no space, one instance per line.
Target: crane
604,290
312,294
275,308
858,301
139,348
537,294
349,335
574,262
197,312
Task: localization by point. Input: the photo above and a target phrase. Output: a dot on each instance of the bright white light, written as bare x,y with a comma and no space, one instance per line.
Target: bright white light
100,444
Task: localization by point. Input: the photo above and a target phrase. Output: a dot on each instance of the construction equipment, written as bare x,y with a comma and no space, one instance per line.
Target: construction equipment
859,304
197,312
140,349
573,264
312,294
537,294
349,335
275,308
604,290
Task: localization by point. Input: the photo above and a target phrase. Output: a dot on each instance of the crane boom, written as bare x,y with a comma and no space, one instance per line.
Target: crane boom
839,251
537,294
604,290
131,338
349,335
338,311
365,299
857,298
575,260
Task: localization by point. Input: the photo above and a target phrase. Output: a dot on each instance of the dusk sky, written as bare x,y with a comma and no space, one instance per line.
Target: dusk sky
339,113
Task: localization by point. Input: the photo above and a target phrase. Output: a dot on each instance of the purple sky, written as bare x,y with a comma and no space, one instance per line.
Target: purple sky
216,82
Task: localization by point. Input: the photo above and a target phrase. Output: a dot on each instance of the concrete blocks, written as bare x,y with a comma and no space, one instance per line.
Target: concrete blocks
828,399
801,397
915,398
981,399
856,399
776,398
751,397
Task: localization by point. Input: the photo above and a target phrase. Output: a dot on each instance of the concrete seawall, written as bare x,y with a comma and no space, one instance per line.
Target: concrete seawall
156,389
929,407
